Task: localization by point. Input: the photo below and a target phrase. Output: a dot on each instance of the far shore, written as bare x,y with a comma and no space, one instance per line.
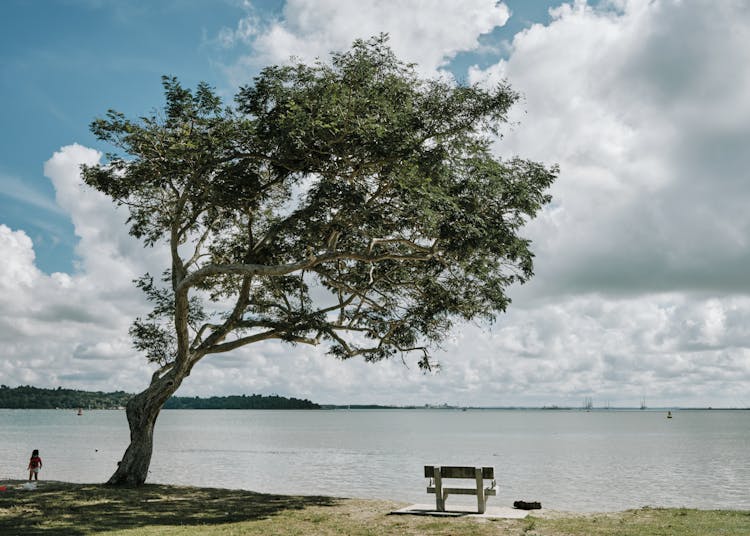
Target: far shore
66,509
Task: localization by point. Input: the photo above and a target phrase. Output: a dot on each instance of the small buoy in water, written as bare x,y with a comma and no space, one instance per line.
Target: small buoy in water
669,414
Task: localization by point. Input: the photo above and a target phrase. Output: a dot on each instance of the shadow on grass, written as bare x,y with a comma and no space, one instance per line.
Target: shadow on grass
57,508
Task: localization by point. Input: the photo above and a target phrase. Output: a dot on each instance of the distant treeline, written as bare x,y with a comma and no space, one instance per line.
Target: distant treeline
368,406
27,397
239,402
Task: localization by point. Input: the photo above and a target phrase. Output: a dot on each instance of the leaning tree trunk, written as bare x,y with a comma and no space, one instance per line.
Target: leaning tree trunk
142,411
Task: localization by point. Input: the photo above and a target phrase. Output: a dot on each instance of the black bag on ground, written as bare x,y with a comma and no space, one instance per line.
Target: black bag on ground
524,505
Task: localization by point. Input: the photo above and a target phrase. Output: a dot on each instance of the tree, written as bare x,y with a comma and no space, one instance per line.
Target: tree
349,203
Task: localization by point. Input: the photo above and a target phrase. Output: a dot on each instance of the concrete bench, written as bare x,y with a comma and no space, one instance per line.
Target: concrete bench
438,474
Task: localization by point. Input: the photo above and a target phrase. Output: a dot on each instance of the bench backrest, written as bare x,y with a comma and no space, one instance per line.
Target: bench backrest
457,471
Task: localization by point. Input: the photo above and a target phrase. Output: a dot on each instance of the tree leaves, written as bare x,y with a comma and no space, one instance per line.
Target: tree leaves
348,202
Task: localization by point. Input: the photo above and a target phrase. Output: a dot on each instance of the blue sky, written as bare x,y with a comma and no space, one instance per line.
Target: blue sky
641,285
65,63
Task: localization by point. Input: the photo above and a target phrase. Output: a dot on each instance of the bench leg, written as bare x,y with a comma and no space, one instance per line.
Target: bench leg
439,499
481,500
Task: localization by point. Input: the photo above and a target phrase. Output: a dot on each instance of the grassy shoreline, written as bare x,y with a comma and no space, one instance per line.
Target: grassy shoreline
60,508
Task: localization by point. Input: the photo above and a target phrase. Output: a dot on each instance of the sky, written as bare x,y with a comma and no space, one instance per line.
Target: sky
642,282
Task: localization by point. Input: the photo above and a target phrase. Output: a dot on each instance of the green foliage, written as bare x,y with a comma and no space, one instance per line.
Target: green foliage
27,397
239,402
153,335
350,203
651,521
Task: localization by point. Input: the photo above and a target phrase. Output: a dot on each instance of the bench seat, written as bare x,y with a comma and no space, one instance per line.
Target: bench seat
462,491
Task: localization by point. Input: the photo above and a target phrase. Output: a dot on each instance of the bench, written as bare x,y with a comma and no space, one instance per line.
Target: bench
438,474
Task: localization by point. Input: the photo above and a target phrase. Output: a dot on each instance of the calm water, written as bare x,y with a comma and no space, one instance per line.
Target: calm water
568,460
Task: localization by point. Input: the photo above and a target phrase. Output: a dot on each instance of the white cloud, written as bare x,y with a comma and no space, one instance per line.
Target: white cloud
105,247
642,259
635,107
428,32
17,262
50,323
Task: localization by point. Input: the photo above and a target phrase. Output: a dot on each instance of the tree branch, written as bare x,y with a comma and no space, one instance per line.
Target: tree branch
285,269
271,334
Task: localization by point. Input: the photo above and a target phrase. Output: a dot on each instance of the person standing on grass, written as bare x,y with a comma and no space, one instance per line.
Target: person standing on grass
35,463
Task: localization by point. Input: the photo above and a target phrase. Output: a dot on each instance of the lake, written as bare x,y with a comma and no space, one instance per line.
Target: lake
603,460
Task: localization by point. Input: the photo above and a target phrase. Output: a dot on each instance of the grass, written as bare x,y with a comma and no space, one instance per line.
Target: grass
57,509
655,522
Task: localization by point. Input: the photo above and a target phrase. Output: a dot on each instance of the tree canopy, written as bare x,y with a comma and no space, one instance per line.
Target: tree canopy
349,203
